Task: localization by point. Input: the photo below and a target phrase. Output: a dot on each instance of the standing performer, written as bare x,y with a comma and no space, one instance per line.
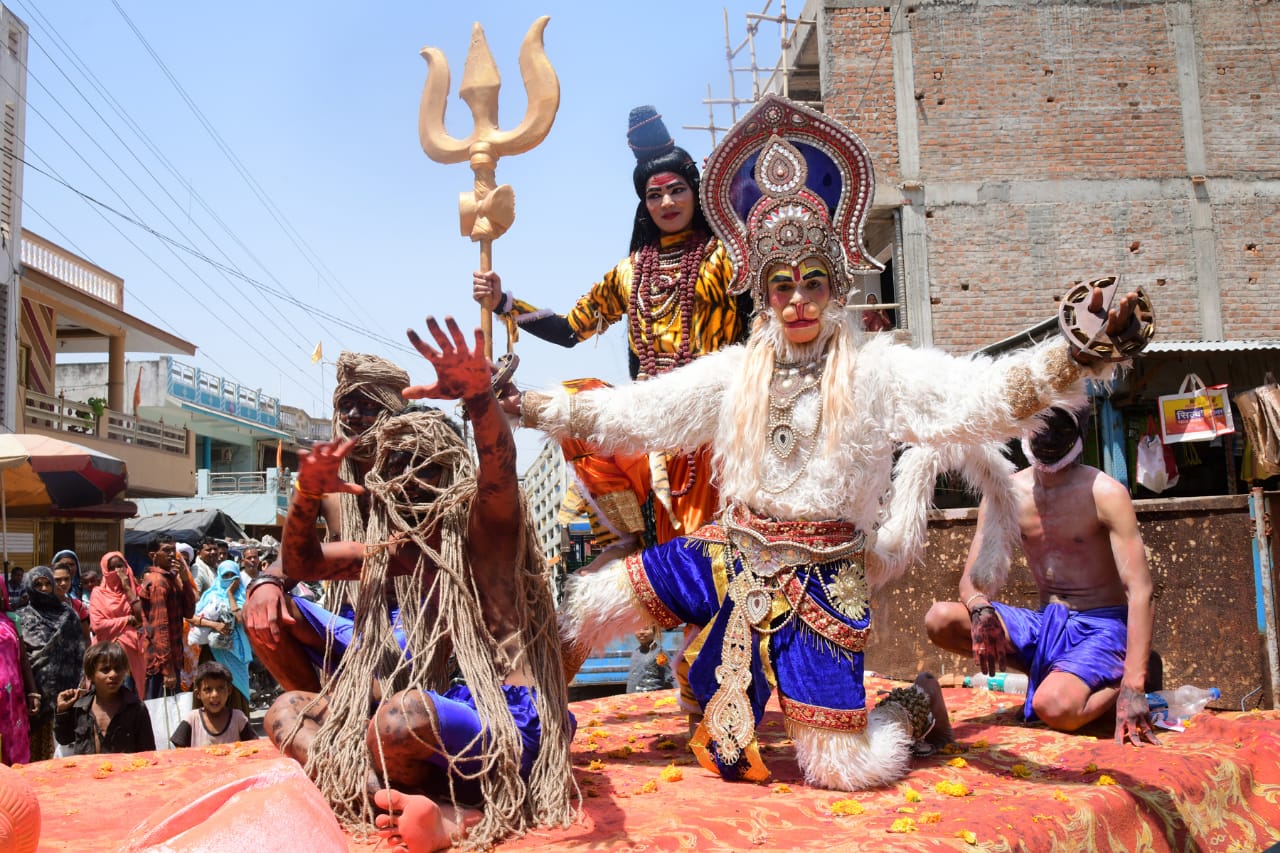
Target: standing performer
804,421
501,738
673,288
1086,648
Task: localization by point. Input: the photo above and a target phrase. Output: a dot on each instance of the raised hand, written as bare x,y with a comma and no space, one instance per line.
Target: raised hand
1133,717
460,372
318,469
991,646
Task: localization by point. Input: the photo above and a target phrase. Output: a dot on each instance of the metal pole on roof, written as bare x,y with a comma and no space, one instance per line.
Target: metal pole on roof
1266,589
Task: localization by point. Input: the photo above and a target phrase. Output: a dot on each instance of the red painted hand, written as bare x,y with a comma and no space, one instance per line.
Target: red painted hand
991,646
1133,717
318,469
460,372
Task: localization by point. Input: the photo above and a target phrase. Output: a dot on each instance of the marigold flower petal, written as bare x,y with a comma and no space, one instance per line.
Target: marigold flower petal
952,789
671,773
649,787
847,807
931,817
969,837
1091,768
595,765
903,824
782,788
957,762
1060,797
1021,771
1104,779
911,795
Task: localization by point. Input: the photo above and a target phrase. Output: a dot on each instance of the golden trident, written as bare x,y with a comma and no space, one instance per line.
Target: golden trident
488,210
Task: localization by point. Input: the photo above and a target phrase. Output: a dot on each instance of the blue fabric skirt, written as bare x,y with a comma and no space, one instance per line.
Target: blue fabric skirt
1089,644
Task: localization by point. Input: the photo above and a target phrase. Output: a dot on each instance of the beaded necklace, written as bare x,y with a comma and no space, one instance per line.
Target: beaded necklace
665,281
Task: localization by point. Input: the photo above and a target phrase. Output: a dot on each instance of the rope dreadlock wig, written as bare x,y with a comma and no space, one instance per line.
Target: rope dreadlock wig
421,488
657,152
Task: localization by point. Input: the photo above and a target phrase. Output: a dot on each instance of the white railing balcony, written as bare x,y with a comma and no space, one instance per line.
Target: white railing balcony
72,416
71,269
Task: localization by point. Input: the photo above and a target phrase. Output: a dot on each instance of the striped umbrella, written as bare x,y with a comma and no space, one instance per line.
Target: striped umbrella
39,474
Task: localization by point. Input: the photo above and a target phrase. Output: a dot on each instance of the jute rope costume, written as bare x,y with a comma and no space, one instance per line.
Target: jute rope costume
423,479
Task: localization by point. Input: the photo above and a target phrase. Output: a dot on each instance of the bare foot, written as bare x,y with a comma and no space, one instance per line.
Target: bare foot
416,824
941,734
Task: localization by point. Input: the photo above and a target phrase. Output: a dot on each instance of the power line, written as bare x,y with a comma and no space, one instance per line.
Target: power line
134,184
33,109
286,226
160,318
264,288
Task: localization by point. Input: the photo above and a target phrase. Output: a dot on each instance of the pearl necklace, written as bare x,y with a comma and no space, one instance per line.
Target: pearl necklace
789,384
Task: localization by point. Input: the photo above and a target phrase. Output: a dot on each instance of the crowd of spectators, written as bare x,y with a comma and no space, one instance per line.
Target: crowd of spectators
83,649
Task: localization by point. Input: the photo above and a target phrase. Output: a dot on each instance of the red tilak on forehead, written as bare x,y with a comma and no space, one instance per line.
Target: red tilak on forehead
663,178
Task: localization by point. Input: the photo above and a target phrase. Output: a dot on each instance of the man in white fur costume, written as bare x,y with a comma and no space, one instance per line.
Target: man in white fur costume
804,421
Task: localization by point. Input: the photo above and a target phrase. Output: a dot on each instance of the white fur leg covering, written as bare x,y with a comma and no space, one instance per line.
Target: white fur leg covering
988,470
854,761
900,540
598,607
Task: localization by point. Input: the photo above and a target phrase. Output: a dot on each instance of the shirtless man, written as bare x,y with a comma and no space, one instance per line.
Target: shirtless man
288,633
420,737
1081,540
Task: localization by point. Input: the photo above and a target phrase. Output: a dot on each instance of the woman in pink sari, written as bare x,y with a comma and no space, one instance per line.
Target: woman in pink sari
115,613
15,703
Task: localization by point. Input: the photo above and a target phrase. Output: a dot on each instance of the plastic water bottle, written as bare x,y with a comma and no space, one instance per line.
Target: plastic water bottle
1001,682
1175,706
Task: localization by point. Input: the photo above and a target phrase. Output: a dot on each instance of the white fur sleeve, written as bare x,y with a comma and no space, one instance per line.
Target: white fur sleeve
676,411
932,397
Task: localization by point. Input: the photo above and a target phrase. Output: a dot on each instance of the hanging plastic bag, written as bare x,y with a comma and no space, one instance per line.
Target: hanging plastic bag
166,712
1260,411
1196,413
1157,470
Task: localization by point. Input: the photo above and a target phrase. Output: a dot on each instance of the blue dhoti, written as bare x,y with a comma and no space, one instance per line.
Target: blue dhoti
776,614
1089,644
338,629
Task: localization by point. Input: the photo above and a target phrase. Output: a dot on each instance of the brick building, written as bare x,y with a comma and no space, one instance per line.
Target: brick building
1024,145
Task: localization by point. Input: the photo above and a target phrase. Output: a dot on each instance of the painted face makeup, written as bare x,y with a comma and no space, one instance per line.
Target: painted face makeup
670,202
798,293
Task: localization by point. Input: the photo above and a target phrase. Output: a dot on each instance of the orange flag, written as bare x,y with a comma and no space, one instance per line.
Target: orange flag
279,455
137,393
318,353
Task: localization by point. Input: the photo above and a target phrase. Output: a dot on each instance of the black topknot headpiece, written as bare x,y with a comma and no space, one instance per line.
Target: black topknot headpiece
647,135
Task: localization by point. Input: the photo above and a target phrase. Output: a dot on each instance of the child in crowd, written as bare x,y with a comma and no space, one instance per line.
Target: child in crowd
215,721
650,665
108,717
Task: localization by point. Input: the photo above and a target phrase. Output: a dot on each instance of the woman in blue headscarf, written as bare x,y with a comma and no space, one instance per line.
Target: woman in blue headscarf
220,609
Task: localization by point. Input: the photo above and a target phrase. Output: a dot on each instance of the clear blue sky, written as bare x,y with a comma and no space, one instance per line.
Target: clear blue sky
319,103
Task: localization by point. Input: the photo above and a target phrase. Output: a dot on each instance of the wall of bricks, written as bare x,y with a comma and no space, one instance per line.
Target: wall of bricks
1076,106
859,66
1248,255
1239,46
998,268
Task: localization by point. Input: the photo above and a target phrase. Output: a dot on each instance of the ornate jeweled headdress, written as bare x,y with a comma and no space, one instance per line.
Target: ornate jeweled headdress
787,183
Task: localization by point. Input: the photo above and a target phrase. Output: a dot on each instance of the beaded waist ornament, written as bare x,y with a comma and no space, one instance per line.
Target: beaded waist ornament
775,563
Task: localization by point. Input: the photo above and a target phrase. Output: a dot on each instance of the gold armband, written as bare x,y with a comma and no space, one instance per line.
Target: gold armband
531,403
